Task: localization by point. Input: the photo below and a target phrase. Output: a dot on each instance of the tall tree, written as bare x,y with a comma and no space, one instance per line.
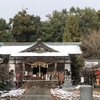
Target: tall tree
54,27
5,35
3,25
72,10
76,66
72,32
24,26
98,21
88,19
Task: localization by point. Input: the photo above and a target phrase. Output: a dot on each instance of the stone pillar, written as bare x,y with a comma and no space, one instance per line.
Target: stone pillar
86,92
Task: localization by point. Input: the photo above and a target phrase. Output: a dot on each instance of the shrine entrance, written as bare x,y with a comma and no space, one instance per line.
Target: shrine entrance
39,69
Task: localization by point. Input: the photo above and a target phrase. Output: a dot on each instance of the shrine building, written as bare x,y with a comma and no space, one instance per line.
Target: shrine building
39,60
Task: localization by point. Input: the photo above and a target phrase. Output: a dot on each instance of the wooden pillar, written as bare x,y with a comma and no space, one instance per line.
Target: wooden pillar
23,70
39,71
64,70
17,78
55,70
15,69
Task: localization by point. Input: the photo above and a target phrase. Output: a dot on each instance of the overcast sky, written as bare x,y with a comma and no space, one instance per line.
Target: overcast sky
8,8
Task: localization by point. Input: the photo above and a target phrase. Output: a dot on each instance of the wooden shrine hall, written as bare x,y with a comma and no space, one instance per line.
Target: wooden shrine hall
39,60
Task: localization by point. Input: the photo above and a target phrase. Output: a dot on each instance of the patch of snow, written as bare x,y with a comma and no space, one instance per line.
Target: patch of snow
13,93
60,93
96,96
67,95
77,87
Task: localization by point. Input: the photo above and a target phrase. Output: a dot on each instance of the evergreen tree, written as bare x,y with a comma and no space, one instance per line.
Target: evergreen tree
72,32
24,27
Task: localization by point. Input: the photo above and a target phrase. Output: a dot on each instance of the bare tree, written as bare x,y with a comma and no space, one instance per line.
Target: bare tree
4,75
91,44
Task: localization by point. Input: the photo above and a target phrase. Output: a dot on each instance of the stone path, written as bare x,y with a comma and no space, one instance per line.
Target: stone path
36,94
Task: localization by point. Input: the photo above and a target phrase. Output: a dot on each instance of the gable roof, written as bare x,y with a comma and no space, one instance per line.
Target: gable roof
39,44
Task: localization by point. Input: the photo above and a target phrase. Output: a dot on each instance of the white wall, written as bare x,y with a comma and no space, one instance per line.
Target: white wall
67,66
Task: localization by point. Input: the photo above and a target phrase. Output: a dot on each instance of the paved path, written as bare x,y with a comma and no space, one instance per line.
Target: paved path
36,94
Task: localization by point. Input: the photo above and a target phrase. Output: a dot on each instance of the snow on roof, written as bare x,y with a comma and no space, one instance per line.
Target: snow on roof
11,49
89,64
40,54
63,50
70,49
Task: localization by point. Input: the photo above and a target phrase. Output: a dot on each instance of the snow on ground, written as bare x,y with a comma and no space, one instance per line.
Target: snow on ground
13,93
57,94
60,94
77,87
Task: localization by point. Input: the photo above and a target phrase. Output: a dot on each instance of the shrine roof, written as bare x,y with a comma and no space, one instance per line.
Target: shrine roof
48,48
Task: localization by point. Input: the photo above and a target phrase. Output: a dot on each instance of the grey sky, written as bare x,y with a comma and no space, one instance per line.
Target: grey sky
8,8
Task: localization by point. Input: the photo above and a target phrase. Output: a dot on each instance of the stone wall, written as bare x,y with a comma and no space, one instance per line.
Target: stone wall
39,83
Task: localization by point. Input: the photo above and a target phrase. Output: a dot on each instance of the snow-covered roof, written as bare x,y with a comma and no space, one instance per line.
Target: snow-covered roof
70,49
11,49
62,50
40,54
90,64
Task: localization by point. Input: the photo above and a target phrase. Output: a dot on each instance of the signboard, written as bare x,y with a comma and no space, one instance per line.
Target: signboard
82,79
